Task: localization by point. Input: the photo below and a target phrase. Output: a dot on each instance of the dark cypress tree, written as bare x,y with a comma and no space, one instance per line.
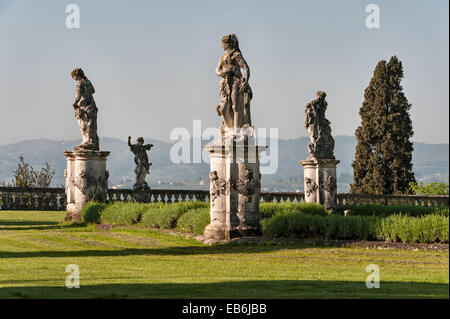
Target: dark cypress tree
383,154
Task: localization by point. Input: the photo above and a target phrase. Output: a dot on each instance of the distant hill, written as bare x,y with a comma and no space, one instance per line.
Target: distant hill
430,163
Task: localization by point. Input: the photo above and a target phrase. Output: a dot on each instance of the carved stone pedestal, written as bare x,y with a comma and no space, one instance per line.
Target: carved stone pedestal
234,191
86,179
320,182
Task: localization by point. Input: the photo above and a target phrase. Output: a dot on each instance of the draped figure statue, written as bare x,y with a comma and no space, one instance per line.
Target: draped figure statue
235,92
321,145
85,111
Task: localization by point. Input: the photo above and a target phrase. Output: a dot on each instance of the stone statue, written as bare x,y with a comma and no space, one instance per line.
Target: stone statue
85,112
321,145
235,92
141,160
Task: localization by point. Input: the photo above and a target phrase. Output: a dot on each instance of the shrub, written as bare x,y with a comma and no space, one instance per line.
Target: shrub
194,221
384,211
166,216
425,229
91,212
123,213
434,188
269,209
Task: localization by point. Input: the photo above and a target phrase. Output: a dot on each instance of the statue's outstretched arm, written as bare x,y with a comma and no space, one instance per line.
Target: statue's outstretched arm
129,141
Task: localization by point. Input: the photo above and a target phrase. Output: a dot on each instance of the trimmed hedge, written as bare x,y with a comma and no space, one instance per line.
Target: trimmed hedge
299,220
123,213
90,213
167,215
269,209
426,229
384,211
194,221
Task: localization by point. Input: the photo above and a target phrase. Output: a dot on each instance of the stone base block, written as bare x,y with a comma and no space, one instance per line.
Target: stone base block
234,191
86,179
320,182
218,233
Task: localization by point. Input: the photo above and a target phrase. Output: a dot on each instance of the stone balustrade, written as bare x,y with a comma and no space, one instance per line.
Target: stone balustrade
14,198
389,200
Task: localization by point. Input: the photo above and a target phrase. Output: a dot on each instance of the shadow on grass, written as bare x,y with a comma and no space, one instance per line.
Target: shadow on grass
27,222
38,225
230,248
276,289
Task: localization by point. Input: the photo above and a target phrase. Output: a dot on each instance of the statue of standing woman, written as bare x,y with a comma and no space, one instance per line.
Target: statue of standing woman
85,112
235,92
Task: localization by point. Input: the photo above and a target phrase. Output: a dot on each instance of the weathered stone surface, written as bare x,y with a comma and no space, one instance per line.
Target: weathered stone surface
85,112
234,191
235,92
320,166
320,182
234,158
321,145
86,179
142,164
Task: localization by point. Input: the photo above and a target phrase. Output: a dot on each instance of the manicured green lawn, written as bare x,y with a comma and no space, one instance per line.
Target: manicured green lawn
36,247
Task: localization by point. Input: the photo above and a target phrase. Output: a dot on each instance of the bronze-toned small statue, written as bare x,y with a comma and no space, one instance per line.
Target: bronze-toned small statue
142,163
85,112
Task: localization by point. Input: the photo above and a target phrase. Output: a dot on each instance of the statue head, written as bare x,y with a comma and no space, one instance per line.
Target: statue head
230,41
321,94
77,74
140,140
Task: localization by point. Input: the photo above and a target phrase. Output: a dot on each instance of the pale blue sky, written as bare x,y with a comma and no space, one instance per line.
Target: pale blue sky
152,63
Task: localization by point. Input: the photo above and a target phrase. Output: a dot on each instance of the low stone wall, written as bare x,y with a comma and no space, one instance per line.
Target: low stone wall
389,200
14,198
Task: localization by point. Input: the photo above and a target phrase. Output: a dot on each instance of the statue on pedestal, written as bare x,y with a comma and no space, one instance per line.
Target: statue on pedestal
321,145
86,174
320,166
235,179
235,92
142,163
85,112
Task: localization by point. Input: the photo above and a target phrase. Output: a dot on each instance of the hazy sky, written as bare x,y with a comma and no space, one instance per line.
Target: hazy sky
152,63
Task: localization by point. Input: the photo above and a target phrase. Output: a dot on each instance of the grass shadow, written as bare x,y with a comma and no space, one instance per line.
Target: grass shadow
252,289
41,226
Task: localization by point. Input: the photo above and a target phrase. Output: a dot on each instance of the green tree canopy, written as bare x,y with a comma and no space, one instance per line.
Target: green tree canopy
383,152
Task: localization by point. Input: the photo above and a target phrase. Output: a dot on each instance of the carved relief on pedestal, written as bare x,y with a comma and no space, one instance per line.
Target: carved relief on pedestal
311,186
329,187
329,183
98,185
246,185
218,186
